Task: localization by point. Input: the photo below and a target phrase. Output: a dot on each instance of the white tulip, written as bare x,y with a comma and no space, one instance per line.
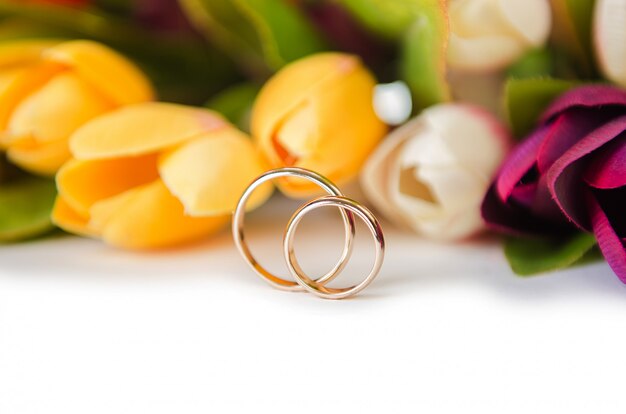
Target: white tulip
488,35
432,173
609,31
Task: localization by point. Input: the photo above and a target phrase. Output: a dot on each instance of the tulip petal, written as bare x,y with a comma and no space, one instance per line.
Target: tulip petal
489,35
453,226
208,174
563,177
611,245
298,136
610,39
543,205
345,134
524,194
588,96
529,19
519,163
327,134
141,129
510,218
470,136
82,183
153,218
376,176
117,78
612,203
293,85
22,52
411,195
20,82
453,188
507,218
566,130
64,216
608,168
488,53
39,158
101,212
57,109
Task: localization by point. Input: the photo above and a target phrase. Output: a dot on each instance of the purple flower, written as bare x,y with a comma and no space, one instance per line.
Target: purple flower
569,173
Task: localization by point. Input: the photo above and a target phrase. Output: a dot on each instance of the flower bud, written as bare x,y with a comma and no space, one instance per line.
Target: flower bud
609,32
317,113
431,174
154,175
48,91
488,35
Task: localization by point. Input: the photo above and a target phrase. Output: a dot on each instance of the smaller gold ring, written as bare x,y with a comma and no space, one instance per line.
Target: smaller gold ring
240,240
316,287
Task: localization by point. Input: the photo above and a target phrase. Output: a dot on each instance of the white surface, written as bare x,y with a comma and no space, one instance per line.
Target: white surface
88,329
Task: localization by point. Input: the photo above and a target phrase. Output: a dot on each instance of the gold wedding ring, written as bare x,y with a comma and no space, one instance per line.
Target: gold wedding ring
348,208
240,240
317,287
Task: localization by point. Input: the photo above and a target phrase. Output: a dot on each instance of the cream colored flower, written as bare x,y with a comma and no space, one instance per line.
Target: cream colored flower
609,35
488,35
431,174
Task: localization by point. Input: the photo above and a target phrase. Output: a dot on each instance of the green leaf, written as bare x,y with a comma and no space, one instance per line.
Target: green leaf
260,35
536,63
571,35
421,26
591,256
17,29
389,19
235,103
526,99
531,256
182,66
423,62
25,207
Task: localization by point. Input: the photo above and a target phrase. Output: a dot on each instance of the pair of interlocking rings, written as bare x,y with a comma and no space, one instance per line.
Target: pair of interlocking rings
303,282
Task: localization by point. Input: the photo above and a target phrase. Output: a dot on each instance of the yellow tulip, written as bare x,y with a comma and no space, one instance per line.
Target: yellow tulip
48,90
317,113
153,175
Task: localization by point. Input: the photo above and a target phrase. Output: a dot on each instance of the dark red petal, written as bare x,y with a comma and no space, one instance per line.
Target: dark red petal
564,178
519,162
610,244
544,206
524,194
608,168
613,203
510,218
586,96
566,130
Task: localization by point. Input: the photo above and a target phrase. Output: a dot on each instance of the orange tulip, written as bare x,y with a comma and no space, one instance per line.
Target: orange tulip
154,175
317,113
48,90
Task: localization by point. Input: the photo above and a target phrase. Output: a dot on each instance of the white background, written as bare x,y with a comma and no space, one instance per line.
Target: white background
85,328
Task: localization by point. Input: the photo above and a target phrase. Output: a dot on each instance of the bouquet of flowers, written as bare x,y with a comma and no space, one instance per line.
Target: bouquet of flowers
141,122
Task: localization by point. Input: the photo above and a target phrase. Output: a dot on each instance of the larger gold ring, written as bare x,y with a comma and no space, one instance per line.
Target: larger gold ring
240,240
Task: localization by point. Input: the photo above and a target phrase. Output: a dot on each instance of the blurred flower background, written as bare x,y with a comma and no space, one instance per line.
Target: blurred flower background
149,117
